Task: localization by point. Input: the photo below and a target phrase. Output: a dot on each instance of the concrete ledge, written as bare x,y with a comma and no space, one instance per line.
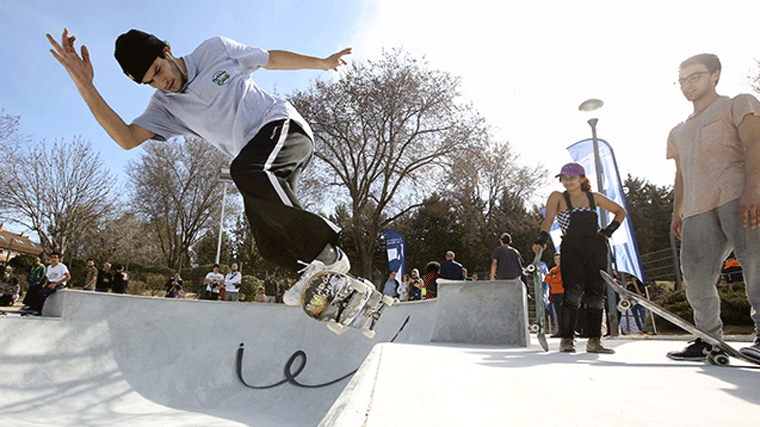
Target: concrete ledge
482,312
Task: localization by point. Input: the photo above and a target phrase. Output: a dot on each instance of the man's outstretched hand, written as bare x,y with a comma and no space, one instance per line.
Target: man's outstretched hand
336,59
80,69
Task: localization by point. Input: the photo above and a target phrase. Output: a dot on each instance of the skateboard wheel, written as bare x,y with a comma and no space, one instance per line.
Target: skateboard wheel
336,327
624,305
534,328
369,333
388,300
718,359
530,268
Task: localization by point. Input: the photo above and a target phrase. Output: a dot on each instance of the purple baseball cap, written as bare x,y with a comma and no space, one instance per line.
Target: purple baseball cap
571,170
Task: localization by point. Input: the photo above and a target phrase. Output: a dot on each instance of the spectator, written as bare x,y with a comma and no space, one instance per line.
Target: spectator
213,281
232,283
430,289
119,280
556,292
172,284
466,276
261,295
403,289
105,278
391,285
55,279
282,288
451,269
34,281
270,288
176,292
6,274
9,296
92,276
506,261
415,286
474,276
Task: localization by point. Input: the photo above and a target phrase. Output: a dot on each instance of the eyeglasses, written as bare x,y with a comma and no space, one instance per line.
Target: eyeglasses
692,78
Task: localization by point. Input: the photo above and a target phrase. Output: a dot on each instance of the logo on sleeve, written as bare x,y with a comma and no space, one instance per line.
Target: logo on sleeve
220,77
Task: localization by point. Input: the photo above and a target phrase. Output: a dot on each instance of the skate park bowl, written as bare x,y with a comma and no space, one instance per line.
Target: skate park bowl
100,359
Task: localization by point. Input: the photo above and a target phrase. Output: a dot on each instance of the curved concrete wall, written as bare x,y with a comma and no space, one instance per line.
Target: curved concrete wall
108,360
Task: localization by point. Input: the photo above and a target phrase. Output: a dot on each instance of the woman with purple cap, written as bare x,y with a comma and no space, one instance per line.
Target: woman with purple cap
584,253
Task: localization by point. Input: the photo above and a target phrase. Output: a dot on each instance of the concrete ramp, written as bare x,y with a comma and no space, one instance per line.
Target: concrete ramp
117,360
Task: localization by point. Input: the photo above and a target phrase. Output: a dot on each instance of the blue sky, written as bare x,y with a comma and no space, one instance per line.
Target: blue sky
525,65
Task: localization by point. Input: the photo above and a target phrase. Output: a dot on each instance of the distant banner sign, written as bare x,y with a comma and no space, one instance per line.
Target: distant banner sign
396,247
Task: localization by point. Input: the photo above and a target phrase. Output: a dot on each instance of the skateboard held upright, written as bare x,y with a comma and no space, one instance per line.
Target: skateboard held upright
343,301
534,269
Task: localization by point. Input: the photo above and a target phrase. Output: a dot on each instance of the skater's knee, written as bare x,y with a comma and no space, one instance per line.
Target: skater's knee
595,302
573,299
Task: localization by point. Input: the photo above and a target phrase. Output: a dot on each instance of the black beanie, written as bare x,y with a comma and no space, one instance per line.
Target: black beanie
136,51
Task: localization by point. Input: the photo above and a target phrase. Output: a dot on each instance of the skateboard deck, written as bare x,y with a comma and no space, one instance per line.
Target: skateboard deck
343,301
721,349
6,312
534,269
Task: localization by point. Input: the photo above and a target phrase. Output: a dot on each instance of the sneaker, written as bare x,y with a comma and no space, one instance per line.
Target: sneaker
595,345
697,351
567,345
753,351
293,295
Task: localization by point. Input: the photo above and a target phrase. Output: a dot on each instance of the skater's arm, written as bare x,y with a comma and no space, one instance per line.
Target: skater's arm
749,204
605,203
552,208
677,219
286,60
82,73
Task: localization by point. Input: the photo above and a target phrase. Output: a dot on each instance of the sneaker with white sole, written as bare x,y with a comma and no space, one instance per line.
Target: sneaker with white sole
697,351
341,265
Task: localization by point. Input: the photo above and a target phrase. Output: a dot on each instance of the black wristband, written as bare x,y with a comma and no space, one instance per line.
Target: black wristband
614,225
542,238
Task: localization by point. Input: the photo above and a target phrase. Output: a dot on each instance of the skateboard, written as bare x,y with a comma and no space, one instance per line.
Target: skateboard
6,312
534,269
721,353
344,302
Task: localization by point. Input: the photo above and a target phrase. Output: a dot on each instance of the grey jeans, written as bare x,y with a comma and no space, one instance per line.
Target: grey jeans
708,238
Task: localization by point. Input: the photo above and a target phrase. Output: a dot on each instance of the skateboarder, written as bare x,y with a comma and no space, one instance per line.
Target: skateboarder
717,196
583,254
210,94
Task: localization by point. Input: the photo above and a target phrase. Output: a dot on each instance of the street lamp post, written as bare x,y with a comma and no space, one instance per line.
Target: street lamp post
588,106
224,175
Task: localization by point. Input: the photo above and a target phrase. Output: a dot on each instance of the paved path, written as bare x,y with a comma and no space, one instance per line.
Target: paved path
457,385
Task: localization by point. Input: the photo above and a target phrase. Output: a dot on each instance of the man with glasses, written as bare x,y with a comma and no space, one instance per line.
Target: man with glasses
717,196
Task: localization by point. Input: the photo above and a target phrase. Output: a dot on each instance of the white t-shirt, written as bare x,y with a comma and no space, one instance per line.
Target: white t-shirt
215,278
232,281
57,273
220,102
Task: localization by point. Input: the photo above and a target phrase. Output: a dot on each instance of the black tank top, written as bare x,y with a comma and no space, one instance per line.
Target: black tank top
580,221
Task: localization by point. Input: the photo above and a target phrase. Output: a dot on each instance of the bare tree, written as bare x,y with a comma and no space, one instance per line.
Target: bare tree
754,78
57,190
176,189
384,131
